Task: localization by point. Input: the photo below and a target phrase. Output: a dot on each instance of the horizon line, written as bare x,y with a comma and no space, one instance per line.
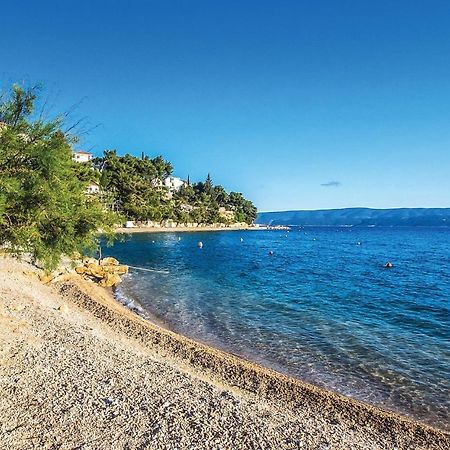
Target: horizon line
356,207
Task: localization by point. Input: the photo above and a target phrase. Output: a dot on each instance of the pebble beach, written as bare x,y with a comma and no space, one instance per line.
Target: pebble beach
79,370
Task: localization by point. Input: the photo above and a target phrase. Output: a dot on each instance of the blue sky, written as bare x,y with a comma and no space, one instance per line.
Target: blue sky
297,104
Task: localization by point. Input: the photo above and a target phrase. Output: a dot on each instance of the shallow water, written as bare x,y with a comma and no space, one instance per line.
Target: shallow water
322,308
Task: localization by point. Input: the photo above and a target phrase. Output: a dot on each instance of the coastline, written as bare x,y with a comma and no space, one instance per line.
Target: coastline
273,410
185,229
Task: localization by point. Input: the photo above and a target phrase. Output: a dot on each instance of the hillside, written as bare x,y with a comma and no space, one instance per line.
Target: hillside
359,217
144,190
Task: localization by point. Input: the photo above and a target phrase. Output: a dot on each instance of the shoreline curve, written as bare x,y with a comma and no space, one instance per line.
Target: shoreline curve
385,428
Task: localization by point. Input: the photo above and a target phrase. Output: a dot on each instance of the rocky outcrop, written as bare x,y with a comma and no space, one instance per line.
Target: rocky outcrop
105,272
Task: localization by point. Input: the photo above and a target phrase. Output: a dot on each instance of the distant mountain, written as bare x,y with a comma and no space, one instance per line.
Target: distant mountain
359,217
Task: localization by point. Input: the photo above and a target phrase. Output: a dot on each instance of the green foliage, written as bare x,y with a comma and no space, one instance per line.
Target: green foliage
244,209
44,210
135,187
133,184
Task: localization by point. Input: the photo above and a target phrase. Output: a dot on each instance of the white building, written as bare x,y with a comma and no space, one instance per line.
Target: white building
81,156
173,183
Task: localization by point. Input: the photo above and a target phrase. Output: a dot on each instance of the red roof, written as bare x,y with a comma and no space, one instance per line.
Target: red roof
83,152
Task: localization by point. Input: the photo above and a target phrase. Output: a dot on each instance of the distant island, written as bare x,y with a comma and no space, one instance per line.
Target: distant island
363,217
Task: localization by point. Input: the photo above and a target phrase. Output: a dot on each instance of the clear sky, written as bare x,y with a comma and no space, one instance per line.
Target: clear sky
297,104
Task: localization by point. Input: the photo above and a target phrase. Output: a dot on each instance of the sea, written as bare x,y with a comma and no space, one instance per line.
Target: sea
315,303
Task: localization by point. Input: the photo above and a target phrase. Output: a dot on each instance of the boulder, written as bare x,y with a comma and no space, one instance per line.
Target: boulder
120,269
110,280
95,271
109,262
105,273
89,260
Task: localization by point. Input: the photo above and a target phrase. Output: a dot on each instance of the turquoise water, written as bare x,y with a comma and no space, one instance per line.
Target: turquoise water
322,308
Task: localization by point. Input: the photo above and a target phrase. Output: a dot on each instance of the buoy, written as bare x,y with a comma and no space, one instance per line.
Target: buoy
200,244
388,265
358,243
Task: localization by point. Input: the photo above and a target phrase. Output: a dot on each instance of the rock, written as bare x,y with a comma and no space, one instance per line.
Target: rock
105,273
110,280
120,269
109,262
95,270
87,261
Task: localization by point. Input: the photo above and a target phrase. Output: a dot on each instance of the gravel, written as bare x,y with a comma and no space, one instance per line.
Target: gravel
80,371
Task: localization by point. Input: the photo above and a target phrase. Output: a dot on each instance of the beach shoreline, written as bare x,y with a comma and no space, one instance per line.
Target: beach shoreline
92,327
185,229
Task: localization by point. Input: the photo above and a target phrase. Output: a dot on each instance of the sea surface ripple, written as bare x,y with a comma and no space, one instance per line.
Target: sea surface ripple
322,308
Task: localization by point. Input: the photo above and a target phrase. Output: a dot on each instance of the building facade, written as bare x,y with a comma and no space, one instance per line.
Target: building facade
81,156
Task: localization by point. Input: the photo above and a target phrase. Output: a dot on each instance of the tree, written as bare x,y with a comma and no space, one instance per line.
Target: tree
44,210
135,187
208,186
244,210
136,184
163,167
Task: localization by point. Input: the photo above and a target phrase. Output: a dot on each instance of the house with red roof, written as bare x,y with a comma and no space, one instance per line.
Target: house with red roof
81,156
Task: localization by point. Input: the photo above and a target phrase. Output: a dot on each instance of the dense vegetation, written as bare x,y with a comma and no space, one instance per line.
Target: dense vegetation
43,207
135,187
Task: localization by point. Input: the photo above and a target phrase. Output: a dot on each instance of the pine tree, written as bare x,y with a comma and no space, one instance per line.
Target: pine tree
44,210
208,184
